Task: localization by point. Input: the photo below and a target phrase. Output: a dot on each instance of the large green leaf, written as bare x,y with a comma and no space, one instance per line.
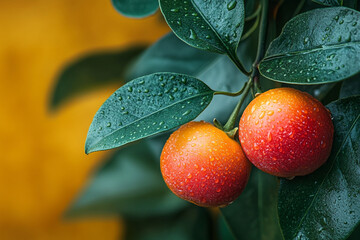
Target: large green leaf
350,87
129,184
146,106
210,25
136,8
90,72
191,224
253,215
326,203
170,54
318,46
333,3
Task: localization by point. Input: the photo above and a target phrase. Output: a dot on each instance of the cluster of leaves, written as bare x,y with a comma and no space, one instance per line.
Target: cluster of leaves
317,50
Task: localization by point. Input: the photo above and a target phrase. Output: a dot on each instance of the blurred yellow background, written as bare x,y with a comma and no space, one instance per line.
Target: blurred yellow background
42,163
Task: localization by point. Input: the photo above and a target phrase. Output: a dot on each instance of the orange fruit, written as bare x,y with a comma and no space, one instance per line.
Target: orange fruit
202,165
286,132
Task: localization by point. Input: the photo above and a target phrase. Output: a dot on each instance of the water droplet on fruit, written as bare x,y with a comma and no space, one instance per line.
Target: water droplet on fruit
218,190
262,114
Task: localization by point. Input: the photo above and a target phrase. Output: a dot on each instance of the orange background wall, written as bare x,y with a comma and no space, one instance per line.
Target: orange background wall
42,161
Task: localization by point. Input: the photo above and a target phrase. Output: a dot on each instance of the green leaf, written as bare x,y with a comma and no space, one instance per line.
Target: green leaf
90,72
253,215
146,106
332,3
209,25
136,8
191,224
170,54
326,203
350,87
129,184
318,46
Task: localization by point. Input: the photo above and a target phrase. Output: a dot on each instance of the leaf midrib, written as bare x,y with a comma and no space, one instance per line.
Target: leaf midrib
228,51
326,175
152,113
309,51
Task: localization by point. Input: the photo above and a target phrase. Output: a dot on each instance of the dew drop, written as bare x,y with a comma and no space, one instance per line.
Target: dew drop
306,40
218,190
231,5
193,35
186,113
262,115
174,10
270,113
108,124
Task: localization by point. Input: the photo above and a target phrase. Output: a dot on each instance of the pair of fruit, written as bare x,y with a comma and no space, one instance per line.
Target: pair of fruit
283,132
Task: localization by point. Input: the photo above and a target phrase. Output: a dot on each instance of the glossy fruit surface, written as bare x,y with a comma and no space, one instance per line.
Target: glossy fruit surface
286,132
201,164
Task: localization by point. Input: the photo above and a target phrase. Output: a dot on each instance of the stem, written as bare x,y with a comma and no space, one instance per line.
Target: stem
255,14
251,30
299,7
254,76
232,119
262,33
238,64
231,94
261,45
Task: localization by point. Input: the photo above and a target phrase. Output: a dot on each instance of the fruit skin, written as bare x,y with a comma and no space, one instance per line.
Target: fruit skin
202,165
286,132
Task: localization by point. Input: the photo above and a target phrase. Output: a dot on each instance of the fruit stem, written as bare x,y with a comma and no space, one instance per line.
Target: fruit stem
254,76
232,119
